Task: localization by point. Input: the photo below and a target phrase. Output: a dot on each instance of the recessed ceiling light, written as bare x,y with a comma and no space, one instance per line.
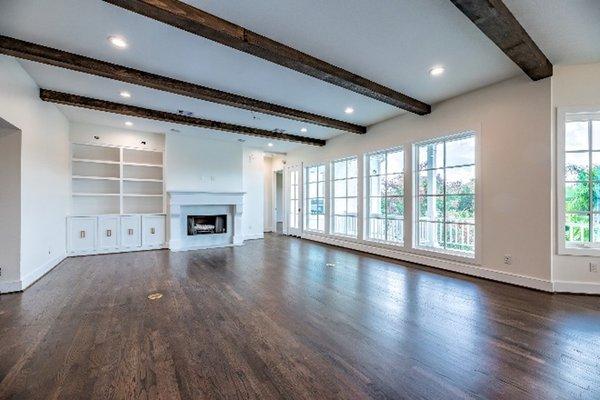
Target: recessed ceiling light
303,130
270,144
129,123
125,94
436,71
349,110
117,41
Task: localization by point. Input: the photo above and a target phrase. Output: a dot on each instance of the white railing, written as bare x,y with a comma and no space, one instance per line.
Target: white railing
458,236
577,232
395,229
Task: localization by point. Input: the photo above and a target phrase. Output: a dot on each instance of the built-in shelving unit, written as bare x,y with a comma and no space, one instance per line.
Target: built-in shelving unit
116,180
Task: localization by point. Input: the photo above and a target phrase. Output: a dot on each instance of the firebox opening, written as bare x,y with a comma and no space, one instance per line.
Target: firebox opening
206,224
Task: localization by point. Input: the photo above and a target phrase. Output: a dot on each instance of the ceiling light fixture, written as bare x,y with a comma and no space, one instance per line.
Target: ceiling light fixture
303,130
117,41
436,71
349,110
129,123
125,94
270,144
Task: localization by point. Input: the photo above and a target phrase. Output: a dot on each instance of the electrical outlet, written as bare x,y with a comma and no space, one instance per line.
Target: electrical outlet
507,259
594,267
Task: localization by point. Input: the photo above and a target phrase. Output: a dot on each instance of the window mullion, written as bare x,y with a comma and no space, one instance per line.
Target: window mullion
590,201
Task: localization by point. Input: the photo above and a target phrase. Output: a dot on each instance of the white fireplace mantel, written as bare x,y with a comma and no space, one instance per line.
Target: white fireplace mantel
183,203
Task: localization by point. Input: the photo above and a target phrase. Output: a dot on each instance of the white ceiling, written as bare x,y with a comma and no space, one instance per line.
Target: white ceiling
393,42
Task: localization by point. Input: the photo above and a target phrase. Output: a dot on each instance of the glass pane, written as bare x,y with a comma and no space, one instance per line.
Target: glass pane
321,173
577,227
595,197
312,174
460,208
339,225
352,206
460,180
352,186
395,230
431,234
431,182
576,136
376,186
339,188
377,207
352,168
595,165
377,164
577,196
596,228
321,222
377,228
339,170
312,222
395,207
460,152
321,189
431,208
395,185
312,190
576,166
431,155
395,162
351,226
595,135
460,237
339,206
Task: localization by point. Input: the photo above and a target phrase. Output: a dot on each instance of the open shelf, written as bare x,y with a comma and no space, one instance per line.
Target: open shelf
96,170
142,205
142,157
95,187
142,172
93,205
92,153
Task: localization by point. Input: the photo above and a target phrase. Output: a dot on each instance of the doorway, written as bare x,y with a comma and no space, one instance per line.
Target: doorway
278,210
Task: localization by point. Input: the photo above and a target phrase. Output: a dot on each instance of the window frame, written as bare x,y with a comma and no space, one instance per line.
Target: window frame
366,176
306,208
457,255
589,249
333,197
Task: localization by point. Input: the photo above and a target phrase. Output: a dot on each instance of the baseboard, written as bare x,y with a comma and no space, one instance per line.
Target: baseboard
449,265
33,276
577,287
254,236
10,287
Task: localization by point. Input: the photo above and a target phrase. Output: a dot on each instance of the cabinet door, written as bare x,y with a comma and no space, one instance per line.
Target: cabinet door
82,234
153,230
108,233
131,231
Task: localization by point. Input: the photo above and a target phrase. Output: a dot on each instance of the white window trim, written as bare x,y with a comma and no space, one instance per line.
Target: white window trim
332,180
366,197
561,119
305,207
443,253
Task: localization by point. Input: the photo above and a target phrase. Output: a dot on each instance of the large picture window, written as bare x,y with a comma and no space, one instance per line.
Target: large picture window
580,203
344,184
315,198
445,194
385,196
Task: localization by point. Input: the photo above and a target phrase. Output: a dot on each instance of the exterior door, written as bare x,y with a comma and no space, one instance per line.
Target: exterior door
293,200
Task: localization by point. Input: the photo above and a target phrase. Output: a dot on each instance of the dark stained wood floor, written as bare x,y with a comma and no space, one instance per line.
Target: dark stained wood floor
270,320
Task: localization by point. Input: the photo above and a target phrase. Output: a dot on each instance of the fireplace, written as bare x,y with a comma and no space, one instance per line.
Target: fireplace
206,224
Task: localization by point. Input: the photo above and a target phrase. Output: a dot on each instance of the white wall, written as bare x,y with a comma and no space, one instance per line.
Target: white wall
513,120
253,216
194,163
44,170
109,136
10,204
575,86
268,194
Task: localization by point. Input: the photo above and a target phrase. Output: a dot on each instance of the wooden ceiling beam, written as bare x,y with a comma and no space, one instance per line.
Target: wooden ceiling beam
59,58
494,19
188,18
156,115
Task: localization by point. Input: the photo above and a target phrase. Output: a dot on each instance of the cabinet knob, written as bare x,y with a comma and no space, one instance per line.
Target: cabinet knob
130,232
108,233
152,231
82,234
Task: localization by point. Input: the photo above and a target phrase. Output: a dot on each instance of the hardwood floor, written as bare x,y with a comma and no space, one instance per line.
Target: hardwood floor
271,320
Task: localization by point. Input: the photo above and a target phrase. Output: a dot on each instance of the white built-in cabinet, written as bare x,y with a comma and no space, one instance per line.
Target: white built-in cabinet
117,201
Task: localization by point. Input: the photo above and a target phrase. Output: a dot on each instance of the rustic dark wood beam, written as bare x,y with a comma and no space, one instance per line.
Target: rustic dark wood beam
47,55
147,113
494,19
198,22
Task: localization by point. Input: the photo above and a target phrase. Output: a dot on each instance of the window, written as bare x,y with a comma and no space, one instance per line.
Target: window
294,204
445,194
315,198
344,183
385,196
580,202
